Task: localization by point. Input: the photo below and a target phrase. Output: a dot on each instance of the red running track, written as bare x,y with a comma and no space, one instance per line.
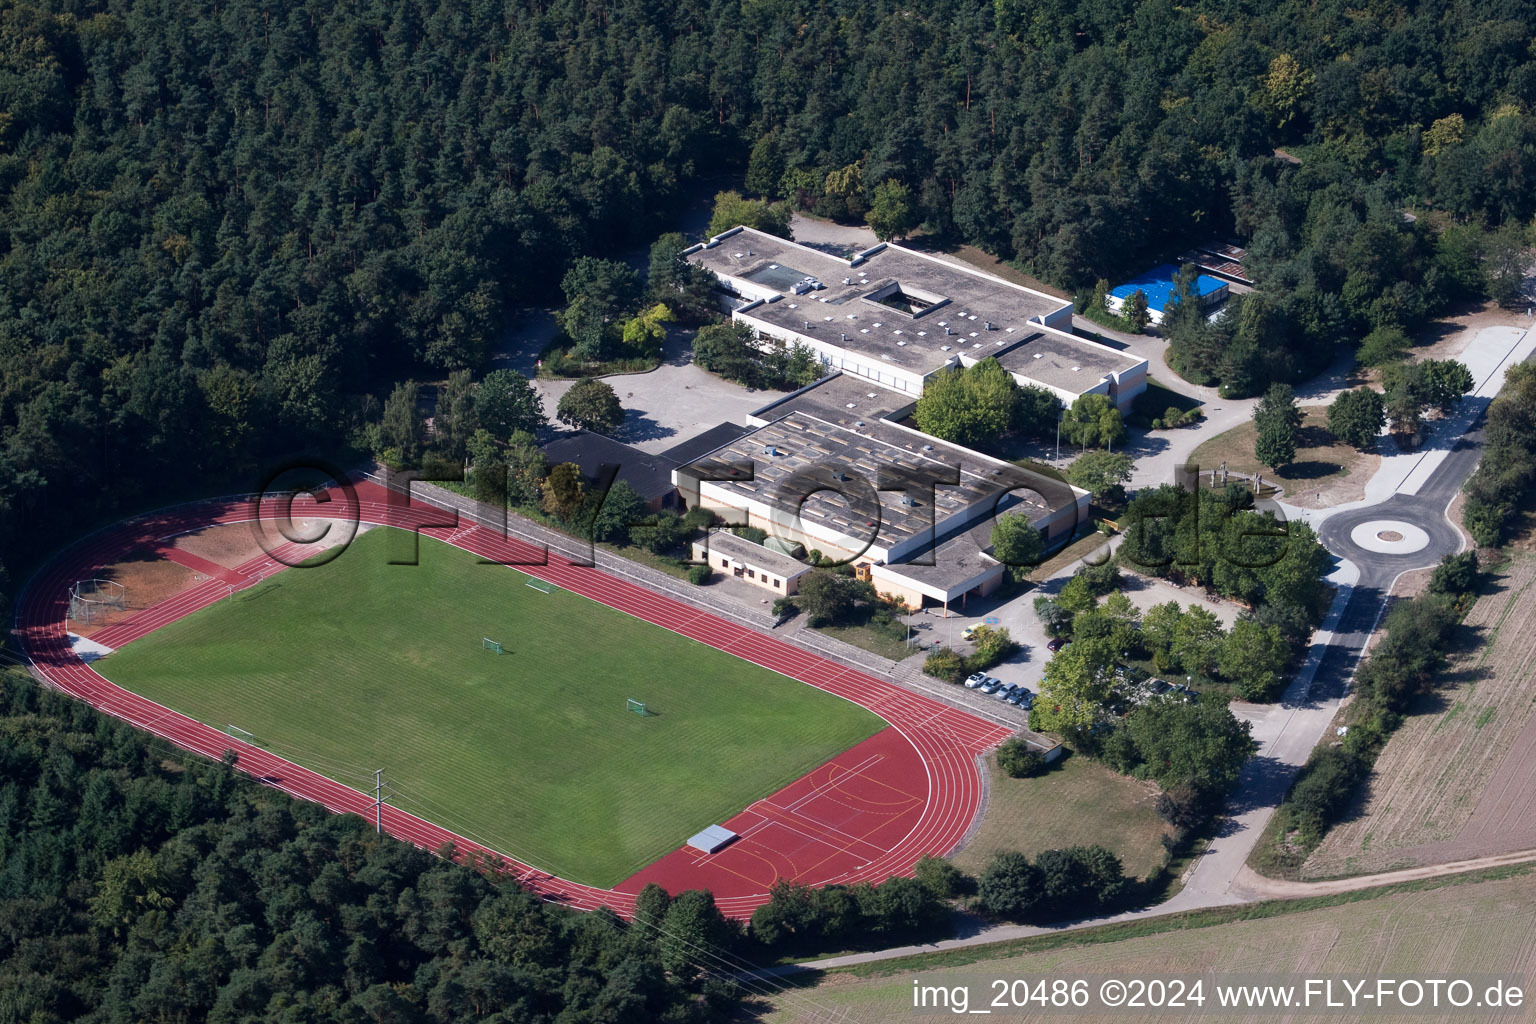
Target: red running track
910,790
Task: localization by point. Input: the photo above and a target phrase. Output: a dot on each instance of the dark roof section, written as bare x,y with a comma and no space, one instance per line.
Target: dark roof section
700,445
650,475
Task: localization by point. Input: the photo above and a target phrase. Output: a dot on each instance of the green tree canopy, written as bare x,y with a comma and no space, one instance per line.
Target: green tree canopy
1102,473
975,407
731,209
892,214
591,404
505,401
1093,421
1016,542
1357,416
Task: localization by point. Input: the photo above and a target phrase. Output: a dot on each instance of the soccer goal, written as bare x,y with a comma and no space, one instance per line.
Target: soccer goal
90,601
486,643
541,585
241,734
637,707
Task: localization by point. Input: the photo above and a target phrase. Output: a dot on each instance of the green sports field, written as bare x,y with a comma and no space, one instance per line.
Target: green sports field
360,664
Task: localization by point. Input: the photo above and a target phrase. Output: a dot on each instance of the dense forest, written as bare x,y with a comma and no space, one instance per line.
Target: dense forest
226,227
141,883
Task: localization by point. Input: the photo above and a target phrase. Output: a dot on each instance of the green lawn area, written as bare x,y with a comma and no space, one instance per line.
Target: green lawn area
360,664
1077,803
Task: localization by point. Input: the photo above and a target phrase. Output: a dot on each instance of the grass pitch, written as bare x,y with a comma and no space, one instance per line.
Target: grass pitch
359,664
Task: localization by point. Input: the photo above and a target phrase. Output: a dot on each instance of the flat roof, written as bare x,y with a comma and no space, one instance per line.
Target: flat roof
809,453
724,542
959,562
650,475
841,398
703,443
1067,363
946,307
1157,285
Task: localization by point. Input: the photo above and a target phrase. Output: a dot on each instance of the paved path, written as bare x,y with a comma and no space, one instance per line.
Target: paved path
1418,490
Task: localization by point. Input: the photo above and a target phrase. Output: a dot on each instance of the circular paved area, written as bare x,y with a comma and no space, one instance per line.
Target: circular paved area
1389,537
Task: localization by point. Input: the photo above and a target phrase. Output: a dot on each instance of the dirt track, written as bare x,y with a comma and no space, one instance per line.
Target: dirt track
1253,886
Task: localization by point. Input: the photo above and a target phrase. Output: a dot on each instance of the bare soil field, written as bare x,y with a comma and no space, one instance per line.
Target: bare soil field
1458,779
1079,803
227,545
1478,928
148,578
1326,472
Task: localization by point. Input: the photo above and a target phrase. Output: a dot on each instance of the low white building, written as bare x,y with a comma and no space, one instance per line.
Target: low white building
898,317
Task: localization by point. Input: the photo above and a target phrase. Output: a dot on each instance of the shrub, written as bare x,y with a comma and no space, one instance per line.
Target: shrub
1382,346
1100,579
992,646
943,663
1009,887
1019,759
943,879
1456,574
698,574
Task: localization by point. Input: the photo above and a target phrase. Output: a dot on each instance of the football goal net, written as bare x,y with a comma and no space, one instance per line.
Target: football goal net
637,707
240,734
541,585
486,643
90,601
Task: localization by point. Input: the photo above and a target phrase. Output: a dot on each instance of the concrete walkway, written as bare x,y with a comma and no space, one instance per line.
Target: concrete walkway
1288,731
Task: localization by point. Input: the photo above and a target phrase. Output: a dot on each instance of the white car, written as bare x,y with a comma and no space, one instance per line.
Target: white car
974,680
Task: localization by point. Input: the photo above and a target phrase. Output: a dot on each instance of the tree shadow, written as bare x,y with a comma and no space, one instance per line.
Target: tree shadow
1309,469
1265,780
637,426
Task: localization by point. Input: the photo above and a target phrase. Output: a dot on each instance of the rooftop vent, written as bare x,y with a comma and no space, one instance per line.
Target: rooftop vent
943,348
907,501
901,344
860,423
1076,368
927,447
988,325
851,405
1038,354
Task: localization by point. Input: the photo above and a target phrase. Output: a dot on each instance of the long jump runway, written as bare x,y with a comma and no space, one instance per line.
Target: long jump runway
910,790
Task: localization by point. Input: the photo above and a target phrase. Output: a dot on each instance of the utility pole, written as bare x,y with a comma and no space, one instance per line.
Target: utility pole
1059,418
378,800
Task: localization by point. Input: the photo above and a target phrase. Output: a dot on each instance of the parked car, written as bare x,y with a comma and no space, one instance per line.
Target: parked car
968,633
1057,643
1189,695
991,686
1005,691
1022,698
974,680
